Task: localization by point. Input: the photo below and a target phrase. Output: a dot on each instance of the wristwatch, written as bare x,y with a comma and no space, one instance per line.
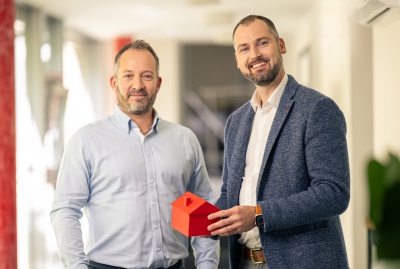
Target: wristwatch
259,218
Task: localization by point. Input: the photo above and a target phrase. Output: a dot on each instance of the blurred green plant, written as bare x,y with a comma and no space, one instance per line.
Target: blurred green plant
384,193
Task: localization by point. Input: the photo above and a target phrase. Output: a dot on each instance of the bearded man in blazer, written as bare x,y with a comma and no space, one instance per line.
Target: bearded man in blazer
286,174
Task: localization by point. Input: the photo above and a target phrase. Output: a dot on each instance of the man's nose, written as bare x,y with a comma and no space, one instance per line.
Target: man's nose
137,83
255,52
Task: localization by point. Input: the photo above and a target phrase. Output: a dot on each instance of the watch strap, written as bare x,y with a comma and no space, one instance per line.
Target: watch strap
258,210
259,221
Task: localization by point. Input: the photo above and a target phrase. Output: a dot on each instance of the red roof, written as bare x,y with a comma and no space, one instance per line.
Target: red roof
193,204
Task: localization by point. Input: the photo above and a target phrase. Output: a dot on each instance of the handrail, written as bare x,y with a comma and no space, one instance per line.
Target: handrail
205,114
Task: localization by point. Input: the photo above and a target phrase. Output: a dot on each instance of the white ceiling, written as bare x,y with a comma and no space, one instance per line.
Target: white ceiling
174,19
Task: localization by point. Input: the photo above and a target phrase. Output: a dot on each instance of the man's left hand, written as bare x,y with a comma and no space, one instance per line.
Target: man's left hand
236,220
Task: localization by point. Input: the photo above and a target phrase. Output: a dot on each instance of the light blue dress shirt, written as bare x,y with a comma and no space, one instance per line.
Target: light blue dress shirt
126,182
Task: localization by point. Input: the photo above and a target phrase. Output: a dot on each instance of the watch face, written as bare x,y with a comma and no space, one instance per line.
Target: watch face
260,221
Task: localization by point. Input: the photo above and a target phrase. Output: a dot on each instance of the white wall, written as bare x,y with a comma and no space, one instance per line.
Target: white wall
168,100
361,139
386,48
106,55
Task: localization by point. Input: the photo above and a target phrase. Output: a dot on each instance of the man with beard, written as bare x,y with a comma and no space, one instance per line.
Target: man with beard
125,171
286,170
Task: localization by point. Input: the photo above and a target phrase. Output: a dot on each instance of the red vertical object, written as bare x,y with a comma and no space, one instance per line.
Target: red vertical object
8,227
119,42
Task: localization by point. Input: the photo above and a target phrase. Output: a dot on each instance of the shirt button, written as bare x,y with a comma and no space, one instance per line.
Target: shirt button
149,159
151,181
154,203
158,249
156,226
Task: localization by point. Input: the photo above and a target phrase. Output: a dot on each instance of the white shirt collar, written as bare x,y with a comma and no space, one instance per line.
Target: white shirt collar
275,97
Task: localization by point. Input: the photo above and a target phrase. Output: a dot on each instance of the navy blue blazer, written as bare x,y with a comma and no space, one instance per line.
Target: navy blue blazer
304,181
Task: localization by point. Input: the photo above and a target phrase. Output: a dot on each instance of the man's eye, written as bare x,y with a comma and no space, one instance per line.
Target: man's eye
147,76
127,76
243,49
262,43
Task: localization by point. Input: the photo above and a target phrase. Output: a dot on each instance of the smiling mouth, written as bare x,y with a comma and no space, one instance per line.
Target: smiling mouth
257,65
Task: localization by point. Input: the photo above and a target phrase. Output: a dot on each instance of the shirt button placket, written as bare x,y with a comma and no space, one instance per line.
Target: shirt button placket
154,209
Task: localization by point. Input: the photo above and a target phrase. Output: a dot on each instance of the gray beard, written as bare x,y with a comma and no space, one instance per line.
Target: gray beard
135,109
139,110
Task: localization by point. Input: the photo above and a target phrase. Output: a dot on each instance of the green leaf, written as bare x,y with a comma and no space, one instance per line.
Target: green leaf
388,234
376,172
392,174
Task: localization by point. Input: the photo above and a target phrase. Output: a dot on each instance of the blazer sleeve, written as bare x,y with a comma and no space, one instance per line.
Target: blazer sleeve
327,165
222,202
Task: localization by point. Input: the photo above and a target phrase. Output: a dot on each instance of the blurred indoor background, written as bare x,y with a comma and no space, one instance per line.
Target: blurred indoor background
346,49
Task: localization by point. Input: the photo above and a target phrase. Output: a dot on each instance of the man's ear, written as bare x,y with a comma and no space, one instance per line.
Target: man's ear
113,83
159,81
282,46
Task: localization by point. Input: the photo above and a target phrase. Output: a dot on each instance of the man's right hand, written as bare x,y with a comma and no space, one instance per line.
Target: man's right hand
236,220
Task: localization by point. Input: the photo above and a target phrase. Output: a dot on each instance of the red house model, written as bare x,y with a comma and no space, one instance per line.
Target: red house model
189,215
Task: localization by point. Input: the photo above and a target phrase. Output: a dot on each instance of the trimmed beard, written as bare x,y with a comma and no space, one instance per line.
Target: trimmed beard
262,77
139,107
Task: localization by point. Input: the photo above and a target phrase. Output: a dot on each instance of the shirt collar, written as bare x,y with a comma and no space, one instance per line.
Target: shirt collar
275,97
127,124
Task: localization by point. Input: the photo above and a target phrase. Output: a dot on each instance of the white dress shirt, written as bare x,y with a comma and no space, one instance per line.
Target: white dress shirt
262,122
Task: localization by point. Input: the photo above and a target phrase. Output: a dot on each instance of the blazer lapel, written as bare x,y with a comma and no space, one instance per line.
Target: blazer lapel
284,108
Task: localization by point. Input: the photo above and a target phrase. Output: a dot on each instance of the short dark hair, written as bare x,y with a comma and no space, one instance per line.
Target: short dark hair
139,45
249,19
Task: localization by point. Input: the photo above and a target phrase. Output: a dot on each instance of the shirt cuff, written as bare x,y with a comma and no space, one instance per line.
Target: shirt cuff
207,265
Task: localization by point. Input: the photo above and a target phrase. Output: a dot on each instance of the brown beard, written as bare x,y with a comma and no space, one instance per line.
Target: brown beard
264,78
